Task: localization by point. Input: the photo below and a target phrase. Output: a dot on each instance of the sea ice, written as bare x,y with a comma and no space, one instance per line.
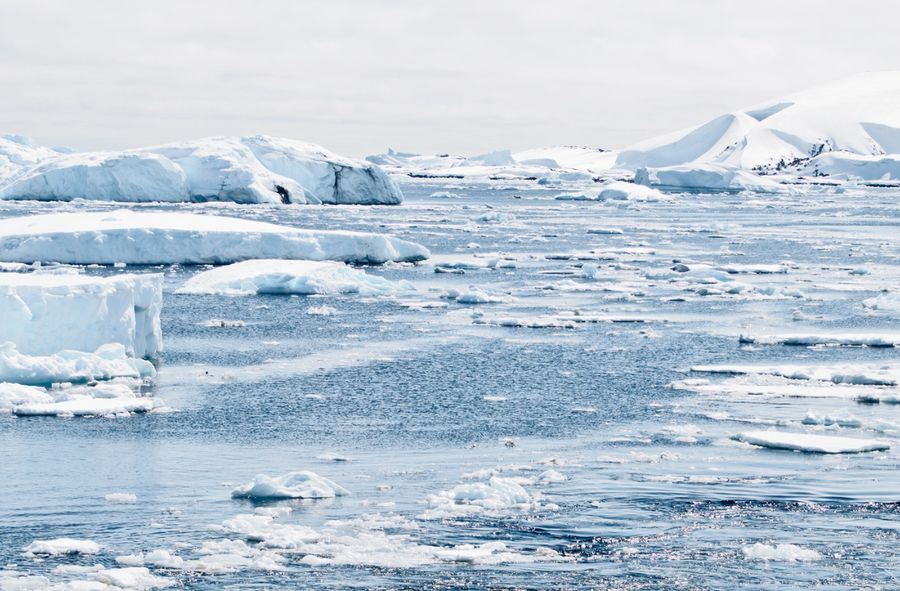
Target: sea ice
780,552
273,276
62,546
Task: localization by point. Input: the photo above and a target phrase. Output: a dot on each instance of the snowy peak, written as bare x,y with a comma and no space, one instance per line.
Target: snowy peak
859,115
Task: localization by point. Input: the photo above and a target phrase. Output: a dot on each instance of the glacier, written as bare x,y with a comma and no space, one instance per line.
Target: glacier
249,169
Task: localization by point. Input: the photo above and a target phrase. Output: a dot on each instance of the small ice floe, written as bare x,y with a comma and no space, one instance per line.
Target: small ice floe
282,277
496,495
605,231
830,339
132,577
494,398
495,217
121,498
526,322
61,547
223,323
157,558
780,553
293,485
804,442
321,311
332,456
887,303
475,295
829,420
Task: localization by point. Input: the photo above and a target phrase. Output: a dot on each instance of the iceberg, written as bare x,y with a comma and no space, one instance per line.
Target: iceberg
45,313
160,238
274,276
250,169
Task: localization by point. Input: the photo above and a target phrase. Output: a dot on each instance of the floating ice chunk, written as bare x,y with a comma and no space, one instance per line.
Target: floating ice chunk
624,191
780,552
886,302
495,217
62,546
223,323
475,295
321,311
829,338
121,498
107,362
294,485
824,444
43,313
138,578
154,238
498,494
272,276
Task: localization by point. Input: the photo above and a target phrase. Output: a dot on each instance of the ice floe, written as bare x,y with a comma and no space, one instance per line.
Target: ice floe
294,485
780,553
274,276
805,442
151,238
61,547
107,362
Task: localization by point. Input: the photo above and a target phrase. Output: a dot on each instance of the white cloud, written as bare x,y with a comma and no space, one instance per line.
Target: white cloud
462,75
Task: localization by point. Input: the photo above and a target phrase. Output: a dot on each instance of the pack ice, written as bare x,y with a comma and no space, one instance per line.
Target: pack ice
250,169
151,238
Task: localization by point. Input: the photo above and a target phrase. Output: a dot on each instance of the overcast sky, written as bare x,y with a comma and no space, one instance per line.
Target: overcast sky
459,76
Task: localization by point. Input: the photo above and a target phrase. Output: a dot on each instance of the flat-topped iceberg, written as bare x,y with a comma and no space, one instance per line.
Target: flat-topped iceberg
152,238
251,169
45,313
275,276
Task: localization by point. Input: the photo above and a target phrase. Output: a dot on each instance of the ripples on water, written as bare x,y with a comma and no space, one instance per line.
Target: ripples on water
654,492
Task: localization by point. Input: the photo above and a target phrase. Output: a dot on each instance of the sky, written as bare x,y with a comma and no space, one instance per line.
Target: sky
461,76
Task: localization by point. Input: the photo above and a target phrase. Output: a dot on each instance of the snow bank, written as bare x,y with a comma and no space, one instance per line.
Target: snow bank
44,313
823,444
271,276
107,362
781,553
152,238
253,169
294,485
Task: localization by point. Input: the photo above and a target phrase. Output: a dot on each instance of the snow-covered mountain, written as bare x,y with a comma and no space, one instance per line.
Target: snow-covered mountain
253,169
856,116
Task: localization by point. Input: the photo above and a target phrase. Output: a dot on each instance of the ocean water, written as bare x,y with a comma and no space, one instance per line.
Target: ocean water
633,476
